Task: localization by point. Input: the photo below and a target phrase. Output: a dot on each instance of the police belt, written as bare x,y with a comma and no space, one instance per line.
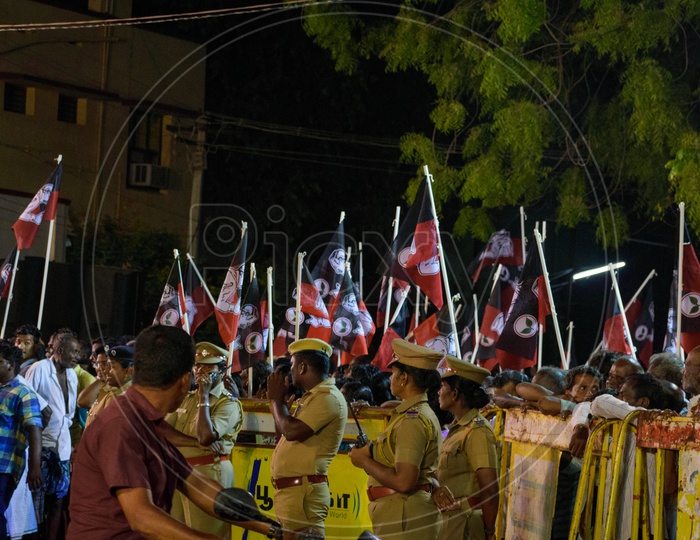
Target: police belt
290,481
209,459
377,492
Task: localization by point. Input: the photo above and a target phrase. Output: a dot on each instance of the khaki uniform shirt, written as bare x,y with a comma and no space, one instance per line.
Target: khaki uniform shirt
226,415
469,445
105,396
412,436
325,411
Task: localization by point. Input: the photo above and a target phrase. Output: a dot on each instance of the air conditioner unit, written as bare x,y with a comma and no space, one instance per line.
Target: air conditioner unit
147,175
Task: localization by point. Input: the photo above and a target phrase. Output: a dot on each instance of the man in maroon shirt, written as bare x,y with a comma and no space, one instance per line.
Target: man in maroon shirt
126,471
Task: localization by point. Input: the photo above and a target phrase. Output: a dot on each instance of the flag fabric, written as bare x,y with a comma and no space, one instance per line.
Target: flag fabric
490,329
640,317
171,301
690,300
385,352
670,344
436,333
614,335
314,321
352,327
41,208
199,306
251,341
500,249
329,271
228,305
402,319
414,256
6,273
516,347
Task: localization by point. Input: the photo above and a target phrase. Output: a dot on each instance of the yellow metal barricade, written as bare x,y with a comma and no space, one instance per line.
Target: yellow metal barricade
348,515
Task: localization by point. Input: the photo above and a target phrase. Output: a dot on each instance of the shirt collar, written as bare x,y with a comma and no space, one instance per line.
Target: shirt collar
149,411
411,402
471,414
330,381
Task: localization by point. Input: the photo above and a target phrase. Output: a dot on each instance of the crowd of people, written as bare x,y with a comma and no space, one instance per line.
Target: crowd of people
132,437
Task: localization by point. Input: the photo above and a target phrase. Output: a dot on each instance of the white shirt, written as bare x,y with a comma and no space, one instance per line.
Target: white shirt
43,378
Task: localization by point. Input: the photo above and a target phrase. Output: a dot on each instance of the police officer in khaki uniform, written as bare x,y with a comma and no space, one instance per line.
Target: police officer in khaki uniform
401,462
118,376
467,470
309,439
205,428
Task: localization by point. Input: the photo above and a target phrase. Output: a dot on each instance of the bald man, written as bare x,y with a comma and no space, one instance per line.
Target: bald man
622,368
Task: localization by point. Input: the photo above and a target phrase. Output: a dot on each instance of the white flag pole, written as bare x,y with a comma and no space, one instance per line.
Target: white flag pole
9,293
443,263
416,314
523,240
496,277
253,274
183,314
270,326
361,274
621,307
569,339
390,286
49,246
476,316
201,279
540,329
679,291
557,331
404,295
300,262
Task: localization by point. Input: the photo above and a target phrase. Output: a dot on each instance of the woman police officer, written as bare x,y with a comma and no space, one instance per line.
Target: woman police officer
404,457
467,469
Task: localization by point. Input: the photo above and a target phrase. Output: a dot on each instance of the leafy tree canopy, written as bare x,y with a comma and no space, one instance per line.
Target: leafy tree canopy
593,103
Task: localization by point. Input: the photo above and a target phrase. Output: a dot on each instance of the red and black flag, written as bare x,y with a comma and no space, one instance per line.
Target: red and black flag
414,253
436,333
690,300
500,249
491,326
172,301
330,268
199,306
352,327
401,320
314,321
251,340
517,346
6,273
640,316
614,335
228,305
41,208
670,344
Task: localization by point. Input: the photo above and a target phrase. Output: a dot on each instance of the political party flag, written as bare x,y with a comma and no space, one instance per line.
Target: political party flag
500,249
41,208
690,300
352,327
640,317
670,344
516,348
199,306
490,329
251,340
6,273
330,268
228,305
385,352
414,256
314,321
401,323
614,335
172,301
435,332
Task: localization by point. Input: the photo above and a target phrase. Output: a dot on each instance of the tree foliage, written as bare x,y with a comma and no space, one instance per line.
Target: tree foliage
593,103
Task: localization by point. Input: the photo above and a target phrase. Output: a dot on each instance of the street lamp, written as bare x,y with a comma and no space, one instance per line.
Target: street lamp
595,271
